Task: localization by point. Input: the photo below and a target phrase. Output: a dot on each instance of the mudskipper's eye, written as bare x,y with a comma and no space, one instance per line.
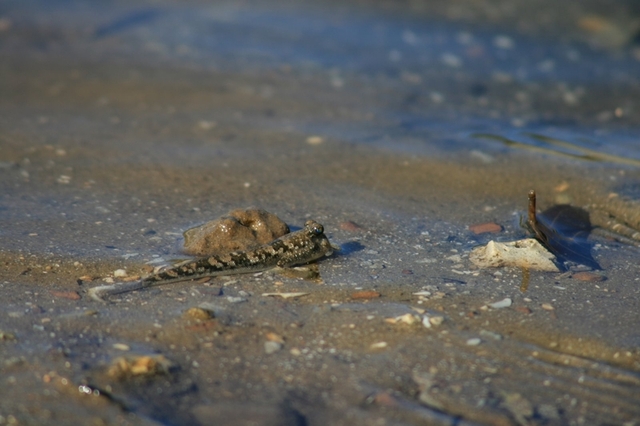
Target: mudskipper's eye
314,228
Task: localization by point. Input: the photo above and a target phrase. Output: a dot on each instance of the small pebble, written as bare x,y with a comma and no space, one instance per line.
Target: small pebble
547,307
233,299
378,345
474,341
273,337
199,313
491,334
426,322
315,140
121,346
504,303
271,347
119,273
436,320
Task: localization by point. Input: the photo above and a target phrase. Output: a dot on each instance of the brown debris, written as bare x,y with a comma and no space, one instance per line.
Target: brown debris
587,276
485,228
350,226
71,295
242,229
365,294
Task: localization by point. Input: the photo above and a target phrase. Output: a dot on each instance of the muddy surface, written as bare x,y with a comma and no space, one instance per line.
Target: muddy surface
402,127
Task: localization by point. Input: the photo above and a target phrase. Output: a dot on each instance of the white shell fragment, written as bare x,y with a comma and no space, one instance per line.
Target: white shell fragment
285,295
527,253
504,303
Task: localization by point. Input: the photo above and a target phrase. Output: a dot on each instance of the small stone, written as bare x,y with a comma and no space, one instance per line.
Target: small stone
139,365
5,336
408,319
503,42
120,273
378,345
485,228
274,337
436,320
121,346
199,313
235,299
588,276
547,307
365,294
271,347
426,322
315,140
475,341
490,334
504,303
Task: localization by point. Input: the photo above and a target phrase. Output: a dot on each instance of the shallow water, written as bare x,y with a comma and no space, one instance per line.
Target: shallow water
397,127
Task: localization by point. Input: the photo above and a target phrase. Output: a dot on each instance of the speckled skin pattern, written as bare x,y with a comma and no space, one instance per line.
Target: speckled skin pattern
296,248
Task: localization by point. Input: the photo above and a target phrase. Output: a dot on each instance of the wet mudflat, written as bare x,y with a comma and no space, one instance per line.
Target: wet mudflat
400,128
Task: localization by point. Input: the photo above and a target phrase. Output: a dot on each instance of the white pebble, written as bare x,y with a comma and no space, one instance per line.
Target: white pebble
119,273
378,345
474,341
315,140
121,346
426,322
271,347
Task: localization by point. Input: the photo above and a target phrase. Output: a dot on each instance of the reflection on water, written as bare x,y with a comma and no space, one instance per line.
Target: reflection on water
547,145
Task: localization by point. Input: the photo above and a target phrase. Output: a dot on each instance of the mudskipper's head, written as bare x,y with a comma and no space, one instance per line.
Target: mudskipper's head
315,232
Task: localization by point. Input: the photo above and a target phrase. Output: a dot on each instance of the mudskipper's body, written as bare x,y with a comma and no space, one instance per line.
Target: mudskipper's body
296,248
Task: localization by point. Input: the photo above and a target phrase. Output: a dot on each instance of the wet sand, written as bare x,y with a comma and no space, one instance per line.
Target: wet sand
121,128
